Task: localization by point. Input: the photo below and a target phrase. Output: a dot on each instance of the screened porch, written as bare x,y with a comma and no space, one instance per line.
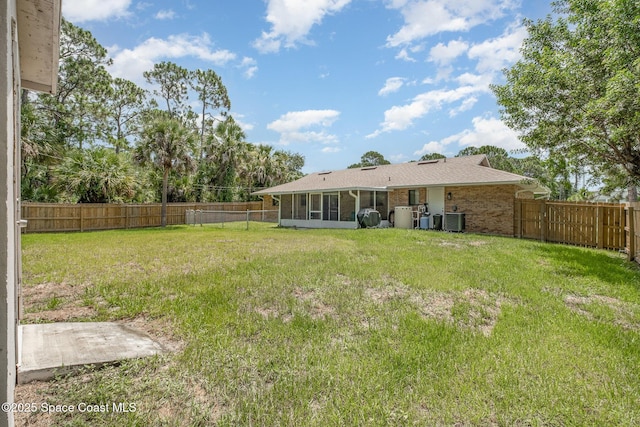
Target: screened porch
332,209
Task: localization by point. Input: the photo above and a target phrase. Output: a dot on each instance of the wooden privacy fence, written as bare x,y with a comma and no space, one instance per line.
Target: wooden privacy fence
55,217
599,225
632,231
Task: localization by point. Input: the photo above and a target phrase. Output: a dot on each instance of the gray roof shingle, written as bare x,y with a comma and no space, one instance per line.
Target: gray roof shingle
467,170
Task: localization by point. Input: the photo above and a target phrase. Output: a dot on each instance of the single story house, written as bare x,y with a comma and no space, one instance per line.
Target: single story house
461,185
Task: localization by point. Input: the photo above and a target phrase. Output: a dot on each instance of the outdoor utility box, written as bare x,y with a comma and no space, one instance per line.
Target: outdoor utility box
454,221
403,216
437,222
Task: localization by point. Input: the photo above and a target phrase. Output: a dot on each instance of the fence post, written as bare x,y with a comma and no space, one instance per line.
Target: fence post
632,233
543,221
600,224
81,218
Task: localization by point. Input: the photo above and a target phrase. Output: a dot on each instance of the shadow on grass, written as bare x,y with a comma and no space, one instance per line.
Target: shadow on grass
609,267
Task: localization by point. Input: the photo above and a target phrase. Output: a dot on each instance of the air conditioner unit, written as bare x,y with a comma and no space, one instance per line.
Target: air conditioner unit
454,221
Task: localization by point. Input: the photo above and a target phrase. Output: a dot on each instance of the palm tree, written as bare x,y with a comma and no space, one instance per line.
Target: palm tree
97,175
167,144
226,155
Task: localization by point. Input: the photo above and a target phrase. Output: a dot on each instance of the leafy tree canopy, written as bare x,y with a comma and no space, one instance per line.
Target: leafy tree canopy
370,158
575,92
433,156
498,157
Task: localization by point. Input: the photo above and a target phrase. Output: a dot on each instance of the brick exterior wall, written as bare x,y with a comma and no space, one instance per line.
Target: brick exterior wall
488,208
400,197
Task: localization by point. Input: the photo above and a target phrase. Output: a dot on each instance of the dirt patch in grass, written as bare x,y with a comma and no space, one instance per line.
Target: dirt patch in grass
160,330
436,305
485,310
472,309
64,314
448,244
387,293
161,397
461,244
273,313
313,303
59,302
35,392
307,301
621,313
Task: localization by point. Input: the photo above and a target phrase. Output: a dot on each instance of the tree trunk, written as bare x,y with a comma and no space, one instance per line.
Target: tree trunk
201,153
165,186
633,193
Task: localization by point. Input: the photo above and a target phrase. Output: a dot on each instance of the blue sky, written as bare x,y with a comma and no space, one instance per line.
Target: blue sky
333,79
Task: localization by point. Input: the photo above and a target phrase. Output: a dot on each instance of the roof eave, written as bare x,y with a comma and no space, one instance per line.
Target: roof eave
39,43
322,190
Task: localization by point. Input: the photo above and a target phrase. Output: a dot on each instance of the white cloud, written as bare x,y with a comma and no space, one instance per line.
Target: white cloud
392,84
331,149
292,20
491,131
431,147
486,131
476,80
445,54
165,14
300,119
294,126
397,158
423,18
495,54
404,55
244,125
491,56
131,63
401,117
250,66
78,11
466,105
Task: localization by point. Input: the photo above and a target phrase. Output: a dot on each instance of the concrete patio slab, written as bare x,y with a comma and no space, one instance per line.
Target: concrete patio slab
50,349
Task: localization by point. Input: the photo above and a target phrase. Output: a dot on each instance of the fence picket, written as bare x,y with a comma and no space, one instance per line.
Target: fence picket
599,225
58,217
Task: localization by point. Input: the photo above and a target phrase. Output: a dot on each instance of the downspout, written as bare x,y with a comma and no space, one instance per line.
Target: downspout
357,197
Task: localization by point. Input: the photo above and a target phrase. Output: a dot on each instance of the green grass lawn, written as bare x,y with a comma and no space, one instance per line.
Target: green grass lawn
375,327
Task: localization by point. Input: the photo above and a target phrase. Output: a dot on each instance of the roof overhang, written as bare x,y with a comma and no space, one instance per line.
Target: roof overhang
531,185
39,43
318,191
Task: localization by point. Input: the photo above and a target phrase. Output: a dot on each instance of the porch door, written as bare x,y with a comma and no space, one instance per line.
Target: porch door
435,199
330,207
315,206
